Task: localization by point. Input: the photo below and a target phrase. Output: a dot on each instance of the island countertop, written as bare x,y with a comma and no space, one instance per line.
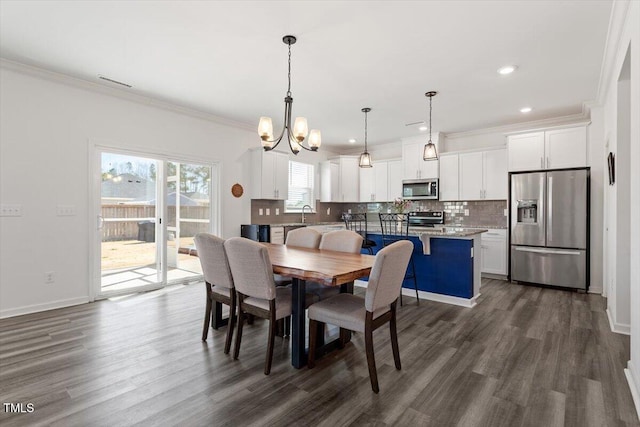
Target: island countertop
437,232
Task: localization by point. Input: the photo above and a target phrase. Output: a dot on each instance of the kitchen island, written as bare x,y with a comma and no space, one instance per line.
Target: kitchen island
447,262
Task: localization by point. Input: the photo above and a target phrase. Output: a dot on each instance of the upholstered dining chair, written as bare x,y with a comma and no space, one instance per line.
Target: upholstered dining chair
367,314
303,237
340,241
218,281
255,288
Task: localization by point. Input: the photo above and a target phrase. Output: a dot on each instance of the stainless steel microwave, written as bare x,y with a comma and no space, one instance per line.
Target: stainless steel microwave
420,189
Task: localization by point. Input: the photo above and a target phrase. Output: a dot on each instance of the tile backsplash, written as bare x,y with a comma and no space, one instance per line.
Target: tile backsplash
465,214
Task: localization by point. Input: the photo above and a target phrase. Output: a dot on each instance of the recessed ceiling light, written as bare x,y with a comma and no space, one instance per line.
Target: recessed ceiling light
423,128
507,69
526,110
352,140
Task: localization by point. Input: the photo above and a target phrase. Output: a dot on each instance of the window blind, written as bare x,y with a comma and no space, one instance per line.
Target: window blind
301,177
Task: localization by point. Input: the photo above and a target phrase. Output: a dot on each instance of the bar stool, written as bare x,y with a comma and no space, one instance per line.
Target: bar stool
395,227
358,222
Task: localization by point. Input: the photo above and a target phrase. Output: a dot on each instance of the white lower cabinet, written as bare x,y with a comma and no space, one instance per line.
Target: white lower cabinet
494,252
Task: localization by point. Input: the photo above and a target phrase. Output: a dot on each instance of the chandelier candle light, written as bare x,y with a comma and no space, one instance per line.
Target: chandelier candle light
430,152
365,158
298,133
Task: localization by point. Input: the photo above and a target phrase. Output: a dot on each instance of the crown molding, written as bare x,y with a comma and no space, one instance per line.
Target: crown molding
118,93
617,24
572,119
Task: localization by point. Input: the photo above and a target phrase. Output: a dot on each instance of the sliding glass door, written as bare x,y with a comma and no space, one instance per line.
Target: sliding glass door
149,210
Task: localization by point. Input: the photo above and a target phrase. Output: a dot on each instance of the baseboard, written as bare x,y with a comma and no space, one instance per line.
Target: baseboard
27,309
618,328
493,276
634,385
447,299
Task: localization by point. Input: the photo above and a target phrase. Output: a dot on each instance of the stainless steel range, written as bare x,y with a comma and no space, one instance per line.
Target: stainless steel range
426,219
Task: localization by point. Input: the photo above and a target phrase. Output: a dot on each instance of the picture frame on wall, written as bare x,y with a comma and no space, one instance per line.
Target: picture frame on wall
611,163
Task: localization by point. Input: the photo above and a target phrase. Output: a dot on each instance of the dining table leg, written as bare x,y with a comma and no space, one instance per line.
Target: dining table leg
298,323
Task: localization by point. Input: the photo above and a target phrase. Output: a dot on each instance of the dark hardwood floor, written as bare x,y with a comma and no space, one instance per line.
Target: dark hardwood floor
525,356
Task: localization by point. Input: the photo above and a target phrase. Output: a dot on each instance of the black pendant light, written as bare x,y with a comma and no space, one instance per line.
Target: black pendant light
430,151
298,133
365,158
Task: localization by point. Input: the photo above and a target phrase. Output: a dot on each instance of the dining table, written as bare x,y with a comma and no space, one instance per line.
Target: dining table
330,268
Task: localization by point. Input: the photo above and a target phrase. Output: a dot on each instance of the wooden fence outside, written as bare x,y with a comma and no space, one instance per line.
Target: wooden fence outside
134,222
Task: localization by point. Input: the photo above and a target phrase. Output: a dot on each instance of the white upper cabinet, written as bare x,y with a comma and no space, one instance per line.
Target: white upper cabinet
471,170
367,183
552,149
394,178
495,177
449,177
270,177
340,180
478,175
381,182
414,167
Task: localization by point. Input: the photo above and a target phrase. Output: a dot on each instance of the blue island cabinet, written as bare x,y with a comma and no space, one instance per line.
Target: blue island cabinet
447,271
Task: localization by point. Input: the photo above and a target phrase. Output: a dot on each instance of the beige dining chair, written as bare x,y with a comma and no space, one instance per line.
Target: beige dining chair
367,314
303,237
218,281
255,288
340,241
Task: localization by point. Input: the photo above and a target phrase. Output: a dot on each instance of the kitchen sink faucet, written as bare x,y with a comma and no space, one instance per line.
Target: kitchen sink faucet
305,206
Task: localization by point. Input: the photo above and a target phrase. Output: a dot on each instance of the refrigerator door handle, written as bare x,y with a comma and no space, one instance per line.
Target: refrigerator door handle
550,210
547,251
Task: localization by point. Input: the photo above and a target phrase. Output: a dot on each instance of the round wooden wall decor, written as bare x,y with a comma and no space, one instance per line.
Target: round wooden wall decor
237,190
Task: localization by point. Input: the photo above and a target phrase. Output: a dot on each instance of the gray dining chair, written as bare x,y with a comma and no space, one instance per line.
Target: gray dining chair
256,290
303,237
367,314
218,281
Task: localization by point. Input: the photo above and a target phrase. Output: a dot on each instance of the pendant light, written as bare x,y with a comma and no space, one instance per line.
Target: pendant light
298,133
430,151
365,158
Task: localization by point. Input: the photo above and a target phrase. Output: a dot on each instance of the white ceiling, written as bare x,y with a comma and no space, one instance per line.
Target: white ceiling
228,58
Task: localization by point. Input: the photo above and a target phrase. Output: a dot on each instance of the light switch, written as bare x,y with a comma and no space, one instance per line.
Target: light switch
506,212
10,210
328,211
268,211
260,212
277,211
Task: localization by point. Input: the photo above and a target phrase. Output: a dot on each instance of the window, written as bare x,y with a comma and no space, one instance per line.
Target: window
301,176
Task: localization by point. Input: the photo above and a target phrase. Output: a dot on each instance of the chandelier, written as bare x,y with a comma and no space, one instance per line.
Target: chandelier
295,134
430,151
365,158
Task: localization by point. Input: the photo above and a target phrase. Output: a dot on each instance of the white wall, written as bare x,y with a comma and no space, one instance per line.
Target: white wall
623,286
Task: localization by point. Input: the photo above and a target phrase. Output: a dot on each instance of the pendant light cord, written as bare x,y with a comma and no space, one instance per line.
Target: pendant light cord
430,99
365,132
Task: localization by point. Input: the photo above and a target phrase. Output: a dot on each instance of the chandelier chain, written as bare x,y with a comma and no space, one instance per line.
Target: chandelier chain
289,75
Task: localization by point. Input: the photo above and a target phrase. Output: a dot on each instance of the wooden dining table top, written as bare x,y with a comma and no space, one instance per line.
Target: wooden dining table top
332,268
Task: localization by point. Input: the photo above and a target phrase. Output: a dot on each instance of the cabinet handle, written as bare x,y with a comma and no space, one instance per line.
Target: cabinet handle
542,162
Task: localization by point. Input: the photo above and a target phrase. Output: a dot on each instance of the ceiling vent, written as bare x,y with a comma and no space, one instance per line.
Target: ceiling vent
113,81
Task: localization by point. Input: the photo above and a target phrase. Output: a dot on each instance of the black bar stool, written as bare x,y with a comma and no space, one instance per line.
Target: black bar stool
358,222
395,226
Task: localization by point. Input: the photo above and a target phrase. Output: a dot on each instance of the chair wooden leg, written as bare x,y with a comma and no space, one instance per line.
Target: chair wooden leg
207,319
236,350
394,337
230,326
371,361
272,335
313,331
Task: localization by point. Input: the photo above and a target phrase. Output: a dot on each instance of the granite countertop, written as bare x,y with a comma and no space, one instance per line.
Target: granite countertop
300,224
436,232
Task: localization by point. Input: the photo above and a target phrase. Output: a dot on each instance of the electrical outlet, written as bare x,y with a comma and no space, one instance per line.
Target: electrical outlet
349,211
277,211
328,211
66,210
260,212
268,211
10,210
506,212
49,277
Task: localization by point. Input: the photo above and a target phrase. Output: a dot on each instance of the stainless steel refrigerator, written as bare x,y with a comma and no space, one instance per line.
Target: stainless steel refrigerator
550,228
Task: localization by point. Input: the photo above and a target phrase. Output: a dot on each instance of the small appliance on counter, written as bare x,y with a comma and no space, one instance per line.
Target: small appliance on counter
550,228
426,219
